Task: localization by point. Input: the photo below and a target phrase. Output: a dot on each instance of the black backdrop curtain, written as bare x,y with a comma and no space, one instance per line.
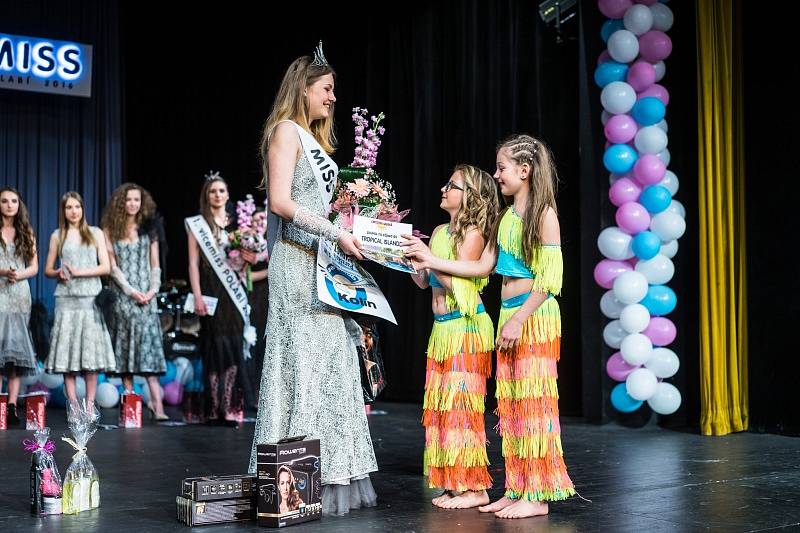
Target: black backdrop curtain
51,144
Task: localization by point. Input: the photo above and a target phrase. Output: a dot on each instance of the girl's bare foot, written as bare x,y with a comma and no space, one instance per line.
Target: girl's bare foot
523,509
500,504
467,500
443,497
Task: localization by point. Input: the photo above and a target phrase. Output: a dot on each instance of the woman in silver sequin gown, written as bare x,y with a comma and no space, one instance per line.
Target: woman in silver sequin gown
310,383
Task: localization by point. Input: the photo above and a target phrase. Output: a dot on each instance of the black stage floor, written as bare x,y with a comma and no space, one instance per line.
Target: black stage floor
646,479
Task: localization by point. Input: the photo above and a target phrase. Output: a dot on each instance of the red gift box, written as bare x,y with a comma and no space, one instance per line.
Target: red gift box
35,414
130,411
3,411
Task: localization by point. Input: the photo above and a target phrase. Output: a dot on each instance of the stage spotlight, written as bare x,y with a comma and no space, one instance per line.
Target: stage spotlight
557,12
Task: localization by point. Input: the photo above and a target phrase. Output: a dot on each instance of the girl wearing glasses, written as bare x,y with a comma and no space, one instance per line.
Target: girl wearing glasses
460,346
527,252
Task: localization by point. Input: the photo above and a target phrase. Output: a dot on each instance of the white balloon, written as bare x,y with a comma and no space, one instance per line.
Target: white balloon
669,248
146,392
663,362
664,156
107,395
615,243
636,349
641,384
623,46
638,19
675,206
613,334
668,226
671,182
186,375
618,97
634,318
630,287
51,381
141,380
658,270
663,125
24,381
650,140
610,306
115,381
666,399
661,69
662,17
605,116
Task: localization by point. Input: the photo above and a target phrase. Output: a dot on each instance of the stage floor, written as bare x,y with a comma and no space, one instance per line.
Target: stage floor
645,479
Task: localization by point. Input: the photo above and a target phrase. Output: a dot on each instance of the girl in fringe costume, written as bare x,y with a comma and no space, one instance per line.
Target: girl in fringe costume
527,253
460,347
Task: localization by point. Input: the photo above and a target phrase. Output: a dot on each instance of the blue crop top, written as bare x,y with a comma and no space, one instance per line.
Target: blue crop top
508,265
434,282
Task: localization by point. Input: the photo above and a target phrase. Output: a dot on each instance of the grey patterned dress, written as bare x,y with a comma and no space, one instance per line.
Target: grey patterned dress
16,347
135,329
310,383
79,340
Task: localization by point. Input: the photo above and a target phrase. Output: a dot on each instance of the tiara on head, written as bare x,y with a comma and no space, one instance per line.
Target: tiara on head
319,57
213,175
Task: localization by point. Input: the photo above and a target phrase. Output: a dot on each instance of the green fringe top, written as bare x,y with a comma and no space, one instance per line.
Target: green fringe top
547,264
464,294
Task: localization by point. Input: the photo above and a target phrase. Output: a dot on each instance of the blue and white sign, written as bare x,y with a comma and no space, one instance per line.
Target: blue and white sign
45,65
343,283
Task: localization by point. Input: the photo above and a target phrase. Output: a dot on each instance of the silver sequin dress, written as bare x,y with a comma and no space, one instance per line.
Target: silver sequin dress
310,383
16,348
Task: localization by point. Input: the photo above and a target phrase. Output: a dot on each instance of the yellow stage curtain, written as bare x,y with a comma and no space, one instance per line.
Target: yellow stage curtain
723,283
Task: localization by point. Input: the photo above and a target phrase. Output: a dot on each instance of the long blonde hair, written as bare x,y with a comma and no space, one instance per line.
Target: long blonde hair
83,228
542,182
290,104
479,205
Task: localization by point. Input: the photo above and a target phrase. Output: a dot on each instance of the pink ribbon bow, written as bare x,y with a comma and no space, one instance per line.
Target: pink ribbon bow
33,446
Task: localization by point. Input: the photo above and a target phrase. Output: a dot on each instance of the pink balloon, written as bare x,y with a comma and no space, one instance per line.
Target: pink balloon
173,392
38,387
614,9
632,217
655,46
632,262
656,90
621,129
661,331
607,271
617,369
624,190
649,169
605,56
641,75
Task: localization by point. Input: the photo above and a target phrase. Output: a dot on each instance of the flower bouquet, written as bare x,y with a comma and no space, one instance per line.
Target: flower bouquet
360,190
251,235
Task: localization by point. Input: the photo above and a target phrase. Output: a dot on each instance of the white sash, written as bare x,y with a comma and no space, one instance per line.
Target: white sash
226,275
324,168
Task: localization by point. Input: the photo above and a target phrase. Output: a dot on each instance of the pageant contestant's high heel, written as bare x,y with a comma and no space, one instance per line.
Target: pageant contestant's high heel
155,416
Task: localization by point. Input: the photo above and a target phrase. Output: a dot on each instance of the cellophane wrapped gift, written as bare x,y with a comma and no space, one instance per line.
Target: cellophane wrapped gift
45,480
81,483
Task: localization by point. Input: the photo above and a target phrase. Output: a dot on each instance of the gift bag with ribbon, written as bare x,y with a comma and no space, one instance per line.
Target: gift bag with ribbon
81,483
45,481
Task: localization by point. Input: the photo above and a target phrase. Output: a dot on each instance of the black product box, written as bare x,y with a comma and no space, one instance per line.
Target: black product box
194,513
210,488
289,482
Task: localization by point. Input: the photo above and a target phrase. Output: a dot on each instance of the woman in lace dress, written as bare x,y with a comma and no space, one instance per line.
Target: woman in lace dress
18,262
79,340
132,242
310,383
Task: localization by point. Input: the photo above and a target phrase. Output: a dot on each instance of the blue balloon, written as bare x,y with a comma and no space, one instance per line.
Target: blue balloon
58,397
622,402
169,377
646,245
609,27
648,111
655,198
610,71
660,300
101,378
620,158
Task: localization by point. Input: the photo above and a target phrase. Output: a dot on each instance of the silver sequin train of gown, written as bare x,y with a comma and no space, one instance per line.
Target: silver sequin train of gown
311,383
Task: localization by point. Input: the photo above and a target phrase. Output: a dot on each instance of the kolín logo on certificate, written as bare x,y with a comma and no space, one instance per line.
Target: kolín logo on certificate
351,303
